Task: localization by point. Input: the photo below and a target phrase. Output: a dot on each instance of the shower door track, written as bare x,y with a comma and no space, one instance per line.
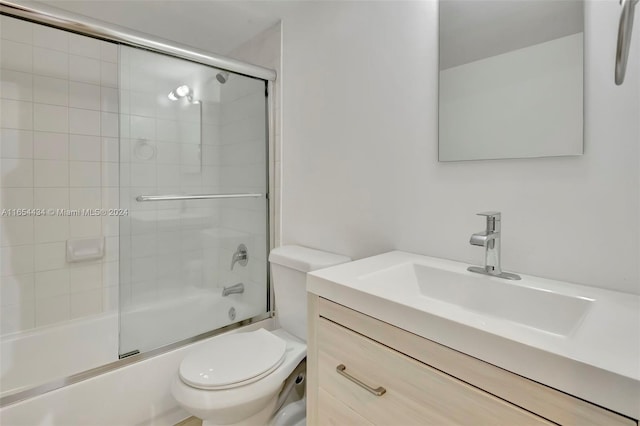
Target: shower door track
142,356
43,14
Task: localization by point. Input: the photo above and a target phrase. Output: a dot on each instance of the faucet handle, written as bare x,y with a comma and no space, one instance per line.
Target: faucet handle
492,218
490,215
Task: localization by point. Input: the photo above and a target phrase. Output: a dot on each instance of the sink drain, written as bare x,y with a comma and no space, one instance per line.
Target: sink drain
232,313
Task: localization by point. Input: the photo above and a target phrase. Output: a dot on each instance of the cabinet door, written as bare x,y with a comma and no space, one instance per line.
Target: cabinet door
415,394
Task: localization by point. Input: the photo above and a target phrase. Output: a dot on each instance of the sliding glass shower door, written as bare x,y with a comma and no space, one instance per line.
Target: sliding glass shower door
193,177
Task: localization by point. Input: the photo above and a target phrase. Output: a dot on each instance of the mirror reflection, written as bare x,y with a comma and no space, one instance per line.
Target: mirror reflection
510,79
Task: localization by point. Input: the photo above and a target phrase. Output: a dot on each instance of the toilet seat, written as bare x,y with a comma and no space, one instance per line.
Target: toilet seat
230,361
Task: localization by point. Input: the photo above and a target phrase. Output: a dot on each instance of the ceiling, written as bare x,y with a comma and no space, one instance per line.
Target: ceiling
475,29
213,26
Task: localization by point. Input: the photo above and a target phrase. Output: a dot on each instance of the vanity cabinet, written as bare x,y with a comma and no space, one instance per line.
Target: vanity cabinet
362,371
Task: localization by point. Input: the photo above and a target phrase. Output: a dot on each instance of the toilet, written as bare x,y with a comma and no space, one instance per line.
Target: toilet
236,379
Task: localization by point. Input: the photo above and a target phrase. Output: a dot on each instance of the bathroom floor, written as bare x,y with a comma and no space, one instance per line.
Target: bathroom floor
191,421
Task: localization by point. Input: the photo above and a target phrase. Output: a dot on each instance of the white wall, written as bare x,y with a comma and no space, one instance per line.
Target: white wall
360,169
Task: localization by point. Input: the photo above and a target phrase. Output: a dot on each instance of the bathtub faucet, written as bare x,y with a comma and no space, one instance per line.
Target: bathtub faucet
234,289
241,256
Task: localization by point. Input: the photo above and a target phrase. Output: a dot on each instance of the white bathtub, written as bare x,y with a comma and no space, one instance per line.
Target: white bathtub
35,357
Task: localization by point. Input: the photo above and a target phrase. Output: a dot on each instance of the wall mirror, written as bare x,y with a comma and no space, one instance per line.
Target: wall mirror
510,79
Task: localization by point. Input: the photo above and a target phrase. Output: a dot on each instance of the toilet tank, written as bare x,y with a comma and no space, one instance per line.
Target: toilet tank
289,267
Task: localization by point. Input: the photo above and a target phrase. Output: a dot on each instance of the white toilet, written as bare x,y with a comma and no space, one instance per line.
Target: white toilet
236,379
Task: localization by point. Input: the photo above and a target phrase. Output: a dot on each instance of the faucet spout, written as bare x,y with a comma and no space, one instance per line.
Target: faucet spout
234,289
483,239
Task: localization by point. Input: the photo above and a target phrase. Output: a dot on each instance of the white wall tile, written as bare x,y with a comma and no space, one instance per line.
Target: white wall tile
111,174
50,256
16,172
49,90
16,143
16,198
110,149
110,274
110,298
85,227
168,153
143,128
85,148
109,52
84,46
84,122
16,85
16,114
16,289
51,283
86,303
50,146
109,99
50,63
109,74
109,125
50,118
17,230
84,69
84,174
50,229
52,310
85,277
16,29
51,198
85,198
51,173
50,38
84,95
16,260
143,175
16,56
17,317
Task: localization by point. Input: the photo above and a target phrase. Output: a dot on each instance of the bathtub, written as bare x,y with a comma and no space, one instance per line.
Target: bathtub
32,358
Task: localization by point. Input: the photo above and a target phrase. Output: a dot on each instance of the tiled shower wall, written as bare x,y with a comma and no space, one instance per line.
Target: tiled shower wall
59,149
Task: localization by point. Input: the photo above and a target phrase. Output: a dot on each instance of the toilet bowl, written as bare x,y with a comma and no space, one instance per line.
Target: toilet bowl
236,379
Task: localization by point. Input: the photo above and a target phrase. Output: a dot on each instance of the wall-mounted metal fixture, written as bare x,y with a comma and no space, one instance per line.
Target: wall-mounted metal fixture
625,30
241,256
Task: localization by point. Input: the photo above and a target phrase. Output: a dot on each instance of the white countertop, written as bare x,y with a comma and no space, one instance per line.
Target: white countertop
599,361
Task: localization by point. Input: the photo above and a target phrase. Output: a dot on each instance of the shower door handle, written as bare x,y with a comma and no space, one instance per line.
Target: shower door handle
194,197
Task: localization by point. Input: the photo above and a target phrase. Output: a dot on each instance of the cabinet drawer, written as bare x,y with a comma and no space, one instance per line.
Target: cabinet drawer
334,413
416,394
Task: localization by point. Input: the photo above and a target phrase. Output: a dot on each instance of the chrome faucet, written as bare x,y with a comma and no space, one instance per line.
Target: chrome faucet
234,289
241,256
490,240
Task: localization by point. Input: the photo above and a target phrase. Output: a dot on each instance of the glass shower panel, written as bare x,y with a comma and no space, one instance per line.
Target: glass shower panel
189,129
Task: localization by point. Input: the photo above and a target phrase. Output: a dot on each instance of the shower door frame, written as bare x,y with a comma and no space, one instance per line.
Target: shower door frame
68,21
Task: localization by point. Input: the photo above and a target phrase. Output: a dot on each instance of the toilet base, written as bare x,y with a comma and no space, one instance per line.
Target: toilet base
261,418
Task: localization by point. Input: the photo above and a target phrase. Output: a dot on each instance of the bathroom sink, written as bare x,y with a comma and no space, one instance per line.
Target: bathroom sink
541,309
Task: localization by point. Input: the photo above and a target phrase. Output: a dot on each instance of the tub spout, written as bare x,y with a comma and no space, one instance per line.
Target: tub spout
234,289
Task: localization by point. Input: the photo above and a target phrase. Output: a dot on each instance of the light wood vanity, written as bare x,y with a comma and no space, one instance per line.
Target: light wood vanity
362,371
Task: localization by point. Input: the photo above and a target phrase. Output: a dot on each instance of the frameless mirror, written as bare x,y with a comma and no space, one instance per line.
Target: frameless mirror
510,79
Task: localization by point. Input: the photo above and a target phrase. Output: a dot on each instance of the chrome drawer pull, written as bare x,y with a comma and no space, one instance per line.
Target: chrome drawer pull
379,391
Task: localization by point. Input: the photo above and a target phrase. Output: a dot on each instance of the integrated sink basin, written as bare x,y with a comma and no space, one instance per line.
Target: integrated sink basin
509,300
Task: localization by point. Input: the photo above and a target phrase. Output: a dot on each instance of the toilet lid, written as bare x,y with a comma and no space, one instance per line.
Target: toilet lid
233,360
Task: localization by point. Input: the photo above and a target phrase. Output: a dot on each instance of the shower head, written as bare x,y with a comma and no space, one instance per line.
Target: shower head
222,77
